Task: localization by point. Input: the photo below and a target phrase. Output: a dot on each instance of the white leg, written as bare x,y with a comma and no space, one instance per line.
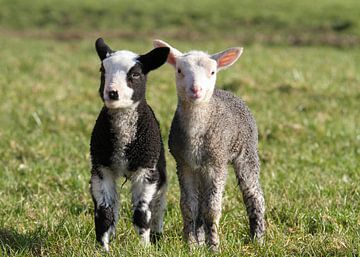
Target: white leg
143,191
106,205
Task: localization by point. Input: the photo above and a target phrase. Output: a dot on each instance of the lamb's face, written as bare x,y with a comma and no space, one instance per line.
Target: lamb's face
123,74
124,80
195,76
196,70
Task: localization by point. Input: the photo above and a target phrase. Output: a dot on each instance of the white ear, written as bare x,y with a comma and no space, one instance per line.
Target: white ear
227,58
173,54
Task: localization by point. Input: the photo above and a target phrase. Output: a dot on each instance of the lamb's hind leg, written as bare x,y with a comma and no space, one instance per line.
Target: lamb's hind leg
105,198
247,169
157,207
200,230
143,189
158,204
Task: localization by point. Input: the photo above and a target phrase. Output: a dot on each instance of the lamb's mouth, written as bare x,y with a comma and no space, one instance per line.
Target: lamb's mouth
115,104
196,97
120,104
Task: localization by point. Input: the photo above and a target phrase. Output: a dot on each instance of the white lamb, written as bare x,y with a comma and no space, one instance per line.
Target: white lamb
210,129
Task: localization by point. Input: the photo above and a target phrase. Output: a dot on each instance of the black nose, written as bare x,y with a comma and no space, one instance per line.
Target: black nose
113,95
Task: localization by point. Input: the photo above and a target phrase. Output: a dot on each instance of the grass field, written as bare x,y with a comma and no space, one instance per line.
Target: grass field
299,75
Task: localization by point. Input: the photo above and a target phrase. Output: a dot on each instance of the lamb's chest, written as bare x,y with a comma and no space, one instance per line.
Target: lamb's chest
119,161
124,134
195,151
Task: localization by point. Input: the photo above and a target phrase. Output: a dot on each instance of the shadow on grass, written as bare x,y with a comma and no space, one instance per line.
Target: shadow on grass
12,241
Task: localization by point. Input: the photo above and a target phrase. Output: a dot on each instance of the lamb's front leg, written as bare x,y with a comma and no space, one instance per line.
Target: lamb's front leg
105,198
143,189
213,186
189,204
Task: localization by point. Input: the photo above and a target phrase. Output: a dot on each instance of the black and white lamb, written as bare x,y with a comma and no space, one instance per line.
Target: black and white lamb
126,141
210,129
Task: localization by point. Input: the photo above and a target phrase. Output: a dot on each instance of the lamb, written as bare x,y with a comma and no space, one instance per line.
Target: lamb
126,141
210,129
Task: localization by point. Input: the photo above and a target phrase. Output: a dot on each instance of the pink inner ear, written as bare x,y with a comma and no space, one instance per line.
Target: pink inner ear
228,58
171,59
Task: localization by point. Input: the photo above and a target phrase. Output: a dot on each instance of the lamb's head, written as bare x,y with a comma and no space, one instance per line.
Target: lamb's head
196,71
123,74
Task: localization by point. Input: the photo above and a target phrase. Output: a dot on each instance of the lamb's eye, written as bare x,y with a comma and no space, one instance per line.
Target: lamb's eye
179,71
135,75
213,72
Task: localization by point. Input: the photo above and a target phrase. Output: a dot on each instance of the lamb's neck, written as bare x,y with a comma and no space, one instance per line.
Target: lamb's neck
195,117
123,121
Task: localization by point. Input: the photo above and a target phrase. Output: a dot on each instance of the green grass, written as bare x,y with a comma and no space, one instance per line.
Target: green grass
307,22
306,102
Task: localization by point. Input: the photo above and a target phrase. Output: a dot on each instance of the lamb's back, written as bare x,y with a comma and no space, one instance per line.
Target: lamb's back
235,119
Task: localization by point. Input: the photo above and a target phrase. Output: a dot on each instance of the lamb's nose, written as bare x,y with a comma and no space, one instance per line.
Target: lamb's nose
113,95
195,90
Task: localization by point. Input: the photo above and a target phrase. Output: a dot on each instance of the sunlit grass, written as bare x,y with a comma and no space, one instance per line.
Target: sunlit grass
306,102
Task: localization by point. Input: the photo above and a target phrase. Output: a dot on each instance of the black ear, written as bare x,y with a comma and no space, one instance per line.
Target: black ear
102,49
154,59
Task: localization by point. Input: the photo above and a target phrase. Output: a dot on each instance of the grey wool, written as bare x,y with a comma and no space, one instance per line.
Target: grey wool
212,128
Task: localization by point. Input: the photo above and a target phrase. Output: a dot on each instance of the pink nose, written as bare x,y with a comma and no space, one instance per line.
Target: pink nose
195,90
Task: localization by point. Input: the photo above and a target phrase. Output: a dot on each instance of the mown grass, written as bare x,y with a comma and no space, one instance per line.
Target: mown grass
305,100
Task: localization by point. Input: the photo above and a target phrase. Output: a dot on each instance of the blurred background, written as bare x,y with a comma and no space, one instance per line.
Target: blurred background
299,75
332,22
